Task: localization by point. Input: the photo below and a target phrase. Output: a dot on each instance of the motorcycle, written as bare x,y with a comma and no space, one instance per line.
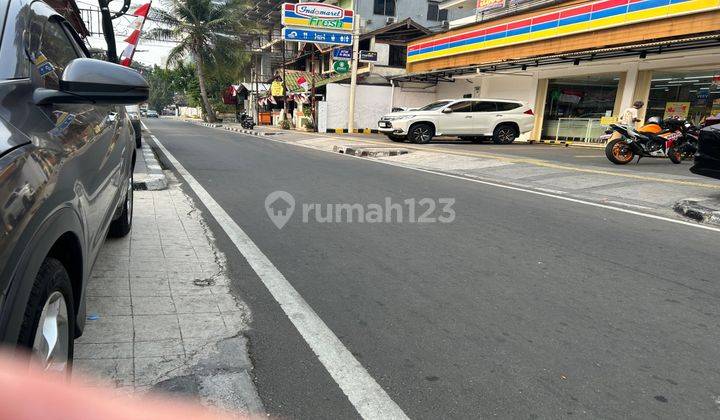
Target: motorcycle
674,139
246,121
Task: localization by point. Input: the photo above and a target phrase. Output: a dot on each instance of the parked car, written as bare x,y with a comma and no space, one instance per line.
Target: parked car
151,113
470,119
66,162
707,158
133,112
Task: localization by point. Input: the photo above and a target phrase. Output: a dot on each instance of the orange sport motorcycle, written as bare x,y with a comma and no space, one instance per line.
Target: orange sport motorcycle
672,138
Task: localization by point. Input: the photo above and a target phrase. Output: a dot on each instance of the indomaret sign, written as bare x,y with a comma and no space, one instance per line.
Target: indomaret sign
317,15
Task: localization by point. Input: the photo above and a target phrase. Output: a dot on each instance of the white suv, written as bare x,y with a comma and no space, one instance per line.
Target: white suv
470,119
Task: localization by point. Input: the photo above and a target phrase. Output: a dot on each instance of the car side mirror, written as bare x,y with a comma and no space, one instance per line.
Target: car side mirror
86,80
447,111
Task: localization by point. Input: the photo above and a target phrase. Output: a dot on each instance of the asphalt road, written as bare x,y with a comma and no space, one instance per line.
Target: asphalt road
523,307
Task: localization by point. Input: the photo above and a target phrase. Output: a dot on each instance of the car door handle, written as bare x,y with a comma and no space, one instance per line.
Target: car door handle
499,115
468,116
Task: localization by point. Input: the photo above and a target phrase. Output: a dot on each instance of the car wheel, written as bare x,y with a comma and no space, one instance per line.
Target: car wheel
421,133
504,134
396,138
48,326
122,225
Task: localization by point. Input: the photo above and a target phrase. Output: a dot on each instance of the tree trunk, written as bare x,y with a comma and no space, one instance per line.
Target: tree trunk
203,91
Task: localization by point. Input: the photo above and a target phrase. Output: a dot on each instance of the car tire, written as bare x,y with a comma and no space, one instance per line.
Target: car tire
121,226
397,139
421,133
50,310
505,134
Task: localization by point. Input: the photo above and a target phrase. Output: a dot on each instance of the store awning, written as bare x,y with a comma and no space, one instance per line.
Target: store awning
637,50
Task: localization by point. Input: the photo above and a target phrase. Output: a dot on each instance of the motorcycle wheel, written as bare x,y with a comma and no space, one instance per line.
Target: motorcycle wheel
618,152
675,155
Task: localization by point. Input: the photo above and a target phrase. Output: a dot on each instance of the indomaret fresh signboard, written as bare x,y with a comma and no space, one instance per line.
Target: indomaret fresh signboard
317,15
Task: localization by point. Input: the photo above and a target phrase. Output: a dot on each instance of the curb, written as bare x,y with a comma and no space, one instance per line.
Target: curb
694,210
154,179
565,143
370,151
355,131
246,131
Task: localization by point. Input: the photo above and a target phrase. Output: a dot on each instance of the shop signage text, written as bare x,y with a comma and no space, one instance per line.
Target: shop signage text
342,54
566,21
485,5
276,88
317,37
317,15
368,56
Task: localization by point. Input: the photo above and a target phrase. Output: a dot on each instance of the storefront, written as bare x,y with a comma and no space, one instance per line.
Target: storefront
579,64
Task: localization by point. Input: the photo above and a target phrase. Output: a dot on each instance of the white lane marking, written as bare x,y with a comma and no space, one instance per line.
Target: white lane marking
637,206
368,398
508,187
144,126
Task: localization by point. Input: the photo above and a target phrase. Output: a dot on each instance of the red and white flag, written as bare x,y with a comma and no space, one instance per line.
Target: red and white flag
134,37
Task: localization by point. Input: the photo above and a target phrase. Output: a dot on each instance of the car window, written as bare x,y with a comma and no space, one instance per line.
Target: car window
49,49
507,106
434,106
484,106
463,106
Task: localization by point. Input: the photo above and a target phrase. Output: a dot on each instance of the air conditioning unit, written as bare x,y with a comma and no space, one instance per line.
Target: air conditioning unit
389,20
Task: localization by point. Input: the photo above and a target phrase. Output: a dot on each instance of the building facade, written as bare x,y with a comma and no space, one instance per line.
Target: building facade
577,63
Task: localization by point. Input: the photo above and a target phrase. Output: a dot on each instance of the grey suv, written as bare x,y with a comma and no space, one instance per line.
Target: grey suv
66,159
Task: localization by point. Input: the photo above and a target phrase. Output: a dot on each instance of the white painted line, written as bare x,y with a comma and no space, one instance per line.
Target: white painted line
508,187
637,206
143,125
368,398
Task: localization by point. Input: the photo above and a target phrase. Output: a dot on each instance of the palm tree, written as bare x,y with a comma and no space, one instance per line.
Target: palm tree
207,31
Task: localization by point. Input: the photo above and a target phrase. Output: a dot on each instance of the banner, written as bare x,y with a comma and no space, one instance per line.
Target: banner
276,88
134,38
485,5
677,110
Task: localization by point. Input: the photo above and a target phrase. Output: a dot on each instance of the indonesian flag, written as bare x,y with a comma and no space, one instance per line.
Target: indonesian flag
134,37
303,83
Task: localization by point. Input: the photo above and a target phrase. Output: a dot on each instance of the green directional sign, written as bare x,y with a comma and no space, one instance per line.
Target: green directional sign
341,66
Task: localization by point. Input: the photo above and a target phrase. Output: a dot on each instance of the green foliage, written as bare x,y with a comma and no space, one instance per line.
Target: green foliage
285,124
213,34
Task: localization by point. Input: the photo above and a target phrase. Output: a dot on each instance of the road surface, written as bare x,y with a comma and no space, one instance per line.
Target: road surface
524,306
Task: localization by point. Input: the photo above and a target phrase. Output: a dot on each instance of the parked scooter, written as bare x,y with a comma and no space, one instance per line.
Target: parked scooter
246,121
674,139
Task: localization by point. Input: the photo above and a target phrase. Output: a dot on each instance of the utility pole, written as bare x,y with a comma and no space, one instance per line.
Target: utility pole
353,73
284,83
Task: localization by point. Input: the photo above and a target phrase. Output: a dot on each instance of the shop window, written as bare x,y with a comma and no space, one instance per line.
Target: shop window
574,106
435,14
398,56
687,94
384,7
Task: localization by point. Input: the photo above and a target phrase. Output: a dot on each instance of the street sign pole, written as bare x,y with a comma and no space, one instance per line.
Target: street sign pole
353,74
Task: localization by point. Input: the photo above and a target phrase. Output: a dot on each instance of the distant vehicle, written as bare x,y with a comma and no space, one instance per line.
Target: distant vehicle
133,112
707,158
151,113
470,119
66,163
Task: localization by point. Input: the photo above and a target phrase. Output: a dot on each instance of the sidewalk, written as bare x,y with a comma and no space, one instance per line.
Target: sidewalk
160,312
632,189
